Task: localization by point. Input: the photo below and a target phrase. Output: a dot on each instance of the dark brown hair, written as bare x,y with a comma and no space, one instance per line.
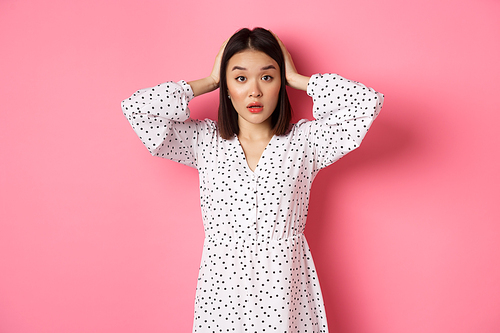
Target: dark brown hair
262,40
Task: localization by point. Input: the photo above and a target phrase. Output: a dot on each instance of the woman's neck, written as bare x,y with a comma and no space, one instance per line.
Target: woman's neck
255,132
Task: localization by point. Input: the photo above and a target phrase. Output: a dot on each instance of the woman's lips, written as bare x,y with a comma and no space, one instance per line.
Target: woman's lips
255,107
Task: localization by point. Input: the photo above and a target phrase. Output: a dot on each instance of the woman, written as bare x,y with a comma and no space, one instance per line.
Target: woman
256,171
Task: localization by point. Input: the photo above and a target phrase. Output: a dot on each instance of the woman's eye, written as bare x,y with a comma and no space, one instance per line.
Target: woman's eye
240,79
267,78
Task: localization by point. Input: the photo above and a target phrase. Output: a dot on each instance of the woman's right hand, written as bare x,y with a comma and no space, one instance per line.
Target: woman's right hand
211,82
215,75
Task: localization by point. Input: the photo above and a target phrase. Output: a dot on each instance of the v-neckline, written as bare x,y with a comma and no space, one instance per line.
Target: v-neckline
242,151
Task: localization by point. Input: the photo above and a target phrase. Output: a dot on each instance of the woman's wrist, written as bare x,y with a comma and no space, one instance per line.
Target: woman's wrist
203,86
298,81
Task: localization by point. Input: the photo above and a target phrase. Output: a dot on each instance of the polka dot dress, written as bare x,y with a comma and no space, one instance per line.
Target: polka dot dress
256,272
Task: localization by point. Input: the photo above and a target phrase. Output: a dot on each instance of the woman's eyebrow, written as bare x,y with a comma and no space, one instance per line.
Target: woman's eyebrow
268,67
244,69
238,68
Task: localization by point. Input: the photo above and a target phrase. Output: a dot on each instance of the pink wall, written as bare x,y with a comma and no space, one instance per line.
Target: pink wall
97,236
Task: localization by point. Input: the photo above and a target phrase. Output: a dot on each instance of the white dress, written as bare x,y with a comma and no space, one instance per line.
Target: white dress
256,272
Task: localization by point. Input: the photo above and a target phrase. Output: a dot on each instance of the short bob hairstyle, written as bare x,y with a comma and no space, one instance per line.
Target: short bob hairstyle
262,40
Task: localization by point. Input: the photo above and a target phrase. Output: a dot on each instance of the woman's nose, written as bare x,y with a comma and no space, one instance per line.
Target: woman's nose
255,90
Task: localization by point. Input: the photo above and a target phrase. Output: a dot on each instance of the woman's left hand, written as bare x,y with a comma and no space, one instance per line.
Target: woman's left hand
293,78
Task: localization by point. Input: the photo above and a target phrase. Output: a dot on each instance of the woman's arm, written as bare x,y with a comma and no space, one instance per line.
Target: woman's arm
160,116
343,110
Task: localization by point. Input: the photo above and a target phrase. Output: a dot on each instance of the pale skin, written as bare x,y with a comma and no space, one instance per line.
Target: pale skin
253,83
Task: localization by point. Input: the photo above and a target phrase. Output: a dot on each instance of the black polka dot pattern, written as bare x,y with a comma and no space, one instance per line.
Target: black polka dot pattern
256,272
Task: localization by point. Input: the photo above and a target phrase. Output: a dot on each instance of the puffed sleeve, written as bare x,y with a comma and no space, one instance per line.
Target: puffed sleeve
343,110
160,117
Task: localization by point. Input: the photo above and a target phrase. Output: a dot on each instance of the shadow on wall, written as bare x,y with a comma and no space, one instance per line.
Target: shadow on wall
388,142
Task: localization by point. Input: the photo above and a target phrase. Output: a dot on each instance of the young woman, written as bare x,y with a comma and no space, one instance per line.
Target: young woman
255,171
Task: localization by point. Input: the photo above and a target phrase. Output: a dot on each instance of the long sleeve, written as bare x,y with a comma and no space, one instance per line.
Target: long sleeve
160,117
344,111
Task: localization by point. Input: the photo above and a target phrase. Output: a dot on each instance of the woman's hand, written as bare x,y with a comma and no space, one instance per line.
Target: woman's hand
293,78
211,82
215,75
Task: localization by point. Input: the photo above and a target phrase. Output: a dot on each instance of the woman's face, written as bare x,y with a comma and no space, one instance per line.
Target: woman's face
253,83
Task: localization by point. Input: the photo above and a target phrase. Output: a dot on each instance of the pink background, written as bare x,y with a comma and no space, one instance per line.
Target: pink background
98,236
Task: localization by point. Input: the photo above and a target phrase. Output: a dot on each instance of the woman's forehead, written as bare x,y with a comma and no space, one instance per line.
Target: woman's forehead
251,60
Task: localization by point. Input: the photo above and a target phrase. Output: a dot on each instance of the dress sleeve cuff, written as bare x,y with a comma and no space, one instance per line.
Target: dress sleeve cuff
313,82
187,90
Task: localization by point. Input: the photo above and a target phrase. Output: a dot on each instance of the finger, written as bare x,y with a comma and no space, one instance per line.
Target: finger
223,46
283,48
282,45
